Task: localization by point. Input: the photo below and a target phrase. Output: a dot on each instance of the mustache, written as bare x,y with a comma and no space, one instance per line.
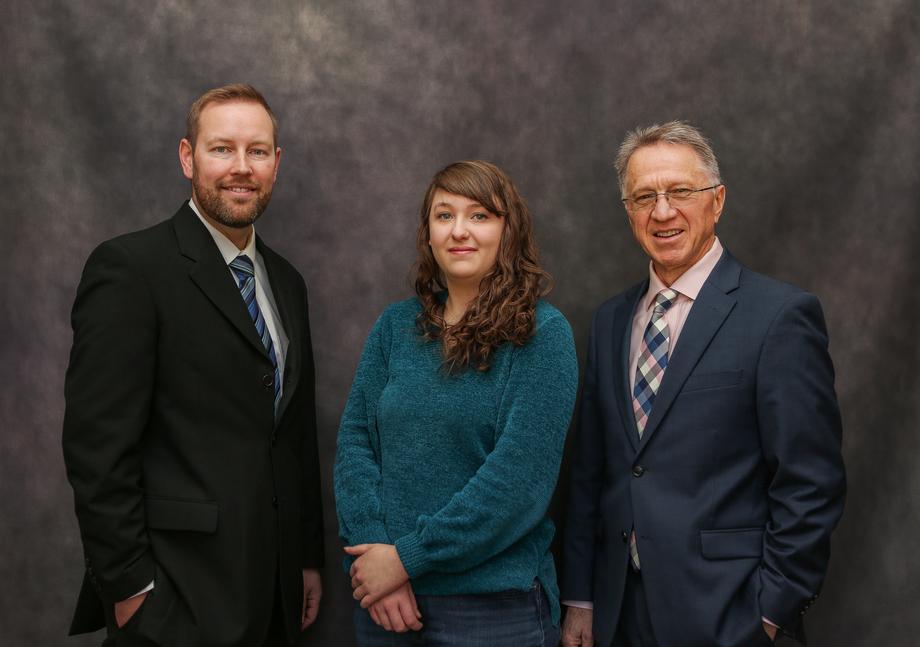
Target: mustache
241,185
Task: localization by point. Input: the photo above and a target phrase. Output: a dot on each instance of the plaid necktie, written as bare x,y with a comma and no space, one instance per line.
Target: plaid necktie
245,276
653,360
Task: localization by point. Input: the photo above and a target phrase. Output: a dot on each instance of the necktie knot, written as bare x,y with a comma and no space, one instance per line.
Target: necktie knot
664,300
242,267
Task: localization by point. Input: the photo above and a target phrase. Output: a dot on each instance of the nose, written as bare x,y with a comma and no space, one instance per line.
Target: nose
662,209
459,230
241,164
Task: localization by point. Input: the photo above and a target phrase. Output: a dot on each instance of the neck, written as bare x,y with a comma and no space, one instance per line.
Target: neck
459,298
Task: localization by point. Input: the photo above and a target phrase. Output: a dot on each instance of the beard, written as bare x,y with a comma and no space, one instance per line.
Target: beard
222,208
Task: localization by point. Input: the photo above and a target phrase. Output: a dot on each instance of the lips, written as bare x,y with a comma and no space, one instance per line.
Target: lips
239,189
667,233
461,250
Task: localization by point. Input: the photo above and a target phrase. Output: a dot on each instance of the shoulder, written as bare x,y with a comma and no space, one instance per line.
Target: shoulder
767,294
401,311
397,317
551,328
136,248
548,316
775,304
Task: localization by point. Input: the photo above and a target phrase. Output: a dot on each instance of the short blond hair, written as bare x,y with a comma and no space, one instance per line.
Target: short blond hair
226,94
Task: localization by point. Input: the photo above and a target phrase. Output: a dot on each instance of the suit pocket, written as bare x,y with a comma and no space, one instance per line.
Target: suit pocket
180,514
732,544
718,380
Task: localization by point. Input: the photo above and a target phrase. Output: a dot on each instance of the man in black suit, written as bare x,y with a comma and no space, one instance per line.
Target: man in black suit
189,432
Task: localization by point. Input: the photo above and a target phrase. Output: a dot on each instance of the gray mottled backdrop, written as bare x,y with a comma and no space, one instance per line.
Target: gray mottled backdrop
812,106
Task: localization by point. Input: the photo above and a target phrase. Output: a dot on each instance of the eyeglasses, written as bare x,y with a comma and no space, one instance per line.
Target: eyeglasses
674,197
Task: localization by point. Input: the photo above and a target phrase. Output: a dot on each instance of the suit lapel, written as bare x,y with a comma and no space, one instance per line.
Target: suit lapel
712,306
622,331
285,299
210,274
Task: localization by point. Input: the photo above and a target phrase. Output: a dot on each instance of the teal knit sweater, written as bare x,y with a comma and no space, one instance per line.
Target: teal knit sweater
457,470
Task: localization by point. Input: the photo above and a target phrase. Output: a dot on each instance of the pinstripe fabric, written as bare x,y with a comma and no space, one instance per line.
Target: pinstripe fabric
245,276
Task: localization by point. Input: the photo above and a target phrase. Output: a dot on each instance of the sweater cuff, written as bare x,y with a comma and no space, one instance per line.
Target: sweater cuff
370,533
413,555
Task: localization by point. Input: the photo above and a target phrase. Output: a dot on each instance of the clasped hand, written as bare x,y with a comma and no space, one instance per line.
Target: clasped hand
381,584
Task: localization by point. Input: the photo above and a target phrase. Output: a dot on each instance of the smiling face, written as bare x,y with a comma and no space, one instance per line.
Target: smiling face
233,164
674,238
464,238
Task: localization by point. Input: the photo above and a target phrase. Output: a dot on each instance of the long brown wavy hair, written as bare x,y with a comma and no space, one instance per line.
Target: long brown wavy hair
504,310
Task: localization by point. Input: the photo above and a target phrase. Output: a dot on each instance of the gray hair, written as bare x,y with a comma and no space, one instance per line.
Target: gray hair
672,132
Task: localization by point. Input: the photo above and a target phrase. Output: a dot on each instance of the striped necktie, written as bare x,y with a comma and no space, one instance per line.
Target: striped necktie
245,275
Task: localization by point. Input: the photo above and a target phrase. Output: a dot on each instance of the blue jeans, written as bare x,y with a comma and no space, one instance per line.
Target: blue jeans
513,618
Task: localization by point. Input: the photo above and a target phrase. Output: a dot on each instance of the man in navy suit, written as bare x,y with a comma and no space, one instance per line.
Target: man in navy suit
707,475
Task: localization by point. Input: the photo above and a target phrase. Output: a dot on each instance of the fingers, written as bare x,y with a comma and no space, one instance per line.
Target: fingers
408,614
310,611
415,609
360,549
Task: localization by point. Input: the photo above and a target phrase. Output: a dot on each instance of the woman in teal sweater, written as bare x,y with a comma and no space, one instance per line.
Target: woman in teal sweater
451,440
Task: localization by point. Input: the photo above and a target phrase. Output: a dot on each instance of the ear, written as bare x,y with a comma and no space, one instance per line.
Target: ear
277,163
718,202
186,157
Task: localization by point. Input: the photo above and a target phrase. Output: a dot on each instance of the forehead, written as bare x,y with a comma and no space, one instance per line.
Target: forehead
236,120
454,200
663,163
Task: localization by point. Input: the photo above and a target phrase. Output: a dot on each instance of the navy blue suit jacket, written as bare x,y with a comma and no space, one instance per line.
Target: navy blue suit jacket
737,481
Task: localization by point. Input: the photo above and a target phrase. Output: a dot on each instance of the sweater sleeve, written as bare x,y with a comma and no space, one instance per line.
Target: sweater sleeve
357,460
508,495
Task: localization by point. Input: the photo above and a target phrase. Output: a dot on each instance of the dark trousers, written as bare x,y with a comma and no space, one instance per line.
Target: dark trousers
276,636
509,618
635,626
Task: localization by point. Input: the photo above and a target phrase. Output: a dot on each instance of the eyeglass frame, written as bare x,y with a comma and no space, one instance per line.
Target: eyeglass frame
667,196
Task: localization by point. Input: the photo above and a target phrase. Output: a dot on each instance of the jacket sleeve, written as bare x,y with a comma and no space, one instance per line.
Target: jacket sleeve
509,493
586,482
357,460
800,429
108,391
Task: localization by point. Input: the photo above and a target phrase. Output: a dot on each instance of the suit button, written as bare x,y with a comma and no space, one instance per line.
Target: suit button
268,380
274,438
638,471
624,536
274,502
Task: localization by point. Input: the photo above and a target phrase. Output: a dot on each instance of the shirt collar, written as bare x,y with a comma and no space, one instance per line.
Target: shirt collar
227,249
690,282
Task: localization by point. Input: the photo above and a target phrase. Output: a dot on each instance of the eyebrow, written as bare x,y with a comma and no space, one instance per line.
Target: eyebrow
474,205
229,140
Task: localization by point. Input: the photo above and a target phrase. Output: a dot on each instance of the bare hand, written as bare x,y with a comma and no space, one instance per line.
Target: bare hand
312,592
377,572
397,611
126,609
770,629
576,629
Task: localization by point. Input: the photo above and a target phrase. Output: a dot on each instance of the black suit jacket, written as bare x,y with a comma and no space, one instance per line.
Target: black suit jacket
737,481
182,473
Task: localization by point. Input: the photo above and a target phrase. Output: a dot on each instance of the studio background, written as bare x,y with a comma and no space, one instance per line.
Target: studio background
812,107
